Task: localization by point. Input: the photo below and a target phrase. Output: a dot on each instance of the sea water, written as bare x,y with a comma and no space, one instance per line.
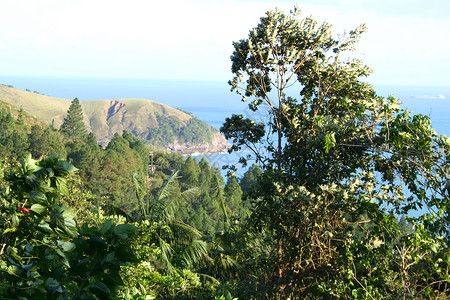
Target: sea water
212,101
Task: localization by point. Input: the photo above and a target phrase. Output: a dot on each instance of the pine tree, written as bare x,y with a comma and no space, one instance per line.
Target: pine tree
73,125
250,178
233,195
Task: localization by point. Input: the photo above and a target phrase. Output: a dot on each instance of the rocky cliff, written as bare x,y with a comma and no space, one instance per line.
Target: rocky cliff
218,145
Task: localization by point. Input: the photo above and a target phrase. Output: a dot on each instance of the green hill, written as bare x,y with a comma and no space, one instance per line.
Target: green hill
152,122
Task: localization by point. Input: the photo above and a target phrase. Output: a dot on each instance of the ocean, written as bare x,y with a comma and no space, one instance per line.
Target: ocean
212,101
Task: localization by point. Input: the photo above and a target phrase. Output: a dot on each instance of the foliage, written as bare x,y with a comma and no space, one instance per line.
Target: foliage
171,131
206,210
342,162
154,278
44,254
250,178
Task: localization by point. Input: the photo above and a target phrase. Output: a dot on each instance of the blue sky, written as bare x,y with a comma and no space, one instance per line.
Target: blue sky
408,41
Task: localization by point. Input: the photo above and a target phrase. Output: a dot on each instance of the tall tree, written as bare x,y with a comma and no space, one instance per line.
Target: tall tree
341,157
250,178
233,196
73,125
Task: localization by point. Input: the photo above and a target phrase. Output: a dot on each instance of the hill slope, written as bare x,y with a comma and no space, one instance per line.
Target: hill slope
152,122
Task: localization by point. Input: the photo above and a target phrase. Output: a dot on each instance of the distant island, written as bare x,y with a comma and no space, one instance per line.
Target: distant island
154,123
440,96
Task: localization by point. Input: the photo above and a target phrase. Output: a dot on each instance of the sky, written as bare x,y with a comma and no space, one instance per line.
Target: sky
407,42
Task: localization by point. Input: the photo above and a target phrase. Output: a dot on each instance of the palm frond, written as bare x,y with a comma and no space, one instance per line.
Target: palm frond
163,206
139,195
224,264
194,253
184,232
190,194
165,258
218,195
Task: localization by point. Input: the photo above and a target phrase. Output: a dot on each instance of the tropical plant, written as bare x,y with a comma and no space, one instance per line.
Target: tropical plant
43,252
169,233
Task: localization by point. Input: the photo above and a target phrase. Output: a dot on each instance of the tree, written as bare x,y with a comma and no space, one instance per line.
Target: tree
341,157
190,172
45,142
250,178
233,196
73,125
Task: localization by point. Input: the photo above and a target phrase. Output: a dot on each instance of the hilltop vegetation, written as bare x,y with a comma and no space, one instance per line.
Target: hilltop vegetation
154,123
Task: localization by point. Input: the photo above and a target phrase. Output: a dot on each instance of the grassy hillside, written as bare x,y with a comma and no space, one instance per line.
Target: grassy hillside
148,120
42,107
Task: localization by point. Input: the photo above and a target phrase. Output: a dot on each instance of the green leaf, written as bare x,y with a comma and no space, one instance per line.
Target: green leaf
64,167
113,280
37,196
105,226
27,267
60,253
109,258
70,227
45,227
14,270
123,231
54,157
50,172
100,289
61,186
53,285
15,220
58,219
330,142
66,246
97,241
69,213
125,254
39,209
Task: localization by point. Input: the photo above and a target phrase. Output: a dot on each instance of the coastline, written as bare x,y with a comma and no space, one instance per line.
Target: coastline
218,145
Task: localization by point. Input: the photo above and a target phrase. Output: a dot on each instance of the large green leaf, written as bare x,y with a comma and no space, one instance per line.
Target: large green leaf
39,209
123,231
100,289
15,220
105,226
61,185
124,254
53,285
45,227
63,167
37,196
109,257
69,213
70,227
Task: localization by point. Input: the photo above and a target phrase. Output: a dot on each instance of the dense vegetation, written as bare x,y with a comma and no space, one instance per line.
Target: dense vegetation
110,182
171,131
350,198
